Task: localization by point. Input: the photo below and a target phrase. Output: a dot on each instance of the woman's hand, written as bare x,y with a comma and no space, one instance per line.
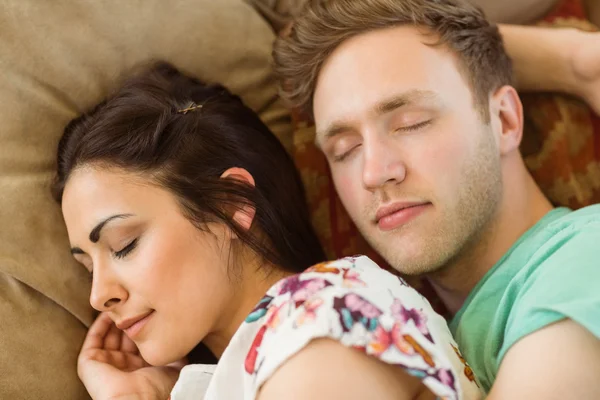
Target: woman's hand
111,367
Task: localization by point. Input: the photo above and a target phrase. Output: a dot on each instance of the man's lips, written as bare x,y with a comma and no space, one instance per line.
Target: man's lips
397,214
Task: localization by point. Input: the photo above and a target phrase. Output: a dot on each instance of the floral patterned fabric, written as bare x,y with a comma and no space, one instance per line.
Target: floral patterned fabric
354,302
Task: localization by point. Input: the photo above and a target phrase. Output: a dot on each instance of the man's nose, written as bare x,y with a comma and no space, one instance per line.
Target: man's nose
382,164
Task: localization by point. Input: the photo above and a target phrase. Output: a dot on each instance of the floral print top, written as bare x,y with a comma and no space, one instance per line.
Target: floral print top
352,301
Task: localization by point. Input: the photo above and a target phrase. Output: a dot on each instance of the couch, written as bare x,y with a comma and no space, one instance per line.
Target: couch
59,58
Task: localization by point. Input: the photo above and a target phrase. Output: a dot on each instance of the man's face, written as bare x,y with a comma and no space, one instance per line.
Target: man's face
414,163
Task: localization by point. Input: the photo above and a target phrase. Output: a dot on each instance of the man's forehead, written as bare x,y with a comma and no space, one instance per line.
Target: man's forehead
378,63
386,103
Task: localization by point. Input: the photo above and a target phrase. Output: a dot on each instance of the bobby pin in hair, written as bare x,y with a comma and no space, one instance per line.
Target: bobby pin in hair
191,107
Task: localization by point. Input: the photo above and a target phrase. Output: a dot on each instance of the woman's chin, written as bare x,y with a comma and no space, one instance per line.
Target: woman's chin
158,356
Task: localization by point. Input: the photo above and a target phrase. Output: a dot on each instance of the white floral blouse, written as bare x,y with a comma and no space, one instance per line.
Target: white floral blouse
352,301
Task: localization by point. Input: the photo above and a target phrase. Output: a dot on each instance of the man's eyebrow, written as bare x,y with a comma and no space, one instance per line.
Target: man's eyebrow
332,130
95,233
407,98
383,107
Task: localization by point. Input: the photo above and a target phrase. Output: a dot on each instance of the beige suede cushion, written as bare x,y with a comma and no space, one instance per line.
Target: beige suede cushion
58,58
280,12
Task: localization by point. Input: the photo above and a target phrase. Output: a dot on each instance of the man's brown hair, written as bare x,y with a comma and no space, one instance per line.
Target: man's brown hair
325,24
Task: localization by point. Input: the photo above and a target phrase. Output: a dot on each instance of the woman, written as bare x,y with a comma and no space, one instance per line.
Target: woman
191,217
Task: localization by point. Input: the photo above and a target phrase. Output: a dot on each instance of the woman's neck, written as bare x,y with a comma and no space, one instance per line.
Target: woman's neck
253,287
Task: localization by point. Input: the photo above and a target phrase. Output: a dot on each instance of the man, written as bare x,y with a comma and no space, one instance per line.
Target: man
415,111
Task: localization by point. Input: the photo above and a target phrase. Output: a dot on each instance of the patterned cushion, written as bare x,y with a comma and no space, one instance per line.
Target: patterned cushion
562,133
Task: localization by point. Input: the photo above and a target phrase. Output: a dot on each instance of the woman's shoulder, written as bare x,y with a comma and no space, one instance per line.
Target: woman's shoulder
356,272
333,286
358,276
357,304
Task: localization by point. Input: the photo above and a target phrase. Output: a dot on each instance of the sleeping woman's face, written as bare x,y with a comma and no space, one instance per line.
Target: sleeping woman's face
159,278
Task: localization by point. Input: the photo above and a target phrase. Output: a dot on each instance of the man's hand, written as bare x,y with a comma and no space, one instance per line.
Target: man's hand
560,361
111,367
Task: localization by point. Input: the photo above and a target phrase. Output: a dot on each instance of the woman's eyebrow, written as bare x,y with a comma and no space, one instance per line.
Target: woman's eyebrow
95,233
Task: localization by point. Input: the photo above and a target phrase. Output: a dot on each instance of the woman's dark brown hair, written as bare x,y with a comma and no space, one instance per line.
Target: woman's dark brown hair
139,129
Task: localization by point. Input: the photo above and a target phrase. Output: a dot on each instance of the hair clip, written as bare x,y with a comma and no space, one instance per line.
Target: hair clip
191,107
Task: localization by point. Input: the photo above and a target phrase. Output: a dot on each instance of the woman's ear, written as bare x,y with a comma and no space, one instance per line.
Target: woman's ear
244,215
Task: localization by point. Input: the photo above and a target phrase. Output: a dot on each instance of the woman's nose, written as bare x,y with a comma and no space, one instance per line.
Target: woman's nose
107,291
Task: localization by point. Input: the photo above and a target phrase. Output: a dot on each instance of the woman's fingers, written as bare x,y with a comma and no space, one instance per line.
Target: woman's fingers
117,359
97,332
128,345
126,361
112,340
135,362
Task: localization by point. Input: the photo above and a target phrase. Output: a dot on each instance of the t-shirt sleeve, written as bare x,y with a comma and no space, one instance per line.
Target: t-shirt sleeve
566,285
391,322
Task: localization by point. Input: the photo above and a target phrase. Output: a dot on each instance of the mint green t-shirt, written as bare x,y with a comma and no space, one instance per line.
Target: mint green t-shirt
552,272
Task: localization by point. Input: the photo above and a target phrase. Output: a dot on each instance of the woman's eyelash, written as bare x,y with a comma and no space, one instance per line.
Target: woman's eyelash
127,249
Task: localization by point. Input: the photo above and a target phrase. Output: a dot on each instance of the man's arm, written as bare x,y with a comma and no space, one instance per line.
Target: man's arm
560,361
555,60
326,369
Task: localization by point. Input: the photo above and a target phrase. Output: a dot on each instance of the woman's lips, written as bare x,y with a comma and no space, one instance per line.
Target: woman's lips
133,326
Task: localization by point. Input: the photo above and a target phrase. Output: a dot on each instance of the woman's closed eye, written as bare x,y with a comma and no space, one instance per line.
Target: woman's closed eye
127,249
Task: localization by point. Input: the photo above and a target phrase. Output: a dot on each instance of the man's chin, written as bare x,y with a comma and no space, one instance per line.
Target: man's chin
409,257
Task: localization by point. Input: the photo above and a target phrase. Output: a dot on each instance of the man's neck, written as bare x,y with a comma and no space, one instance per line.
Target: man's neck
521,207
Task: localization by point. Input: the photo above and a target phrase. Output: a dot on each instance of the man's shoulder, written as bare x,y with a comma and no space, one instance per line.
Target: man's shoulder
584,219
551,274
560,252
569,239
572,242
566,265
561,281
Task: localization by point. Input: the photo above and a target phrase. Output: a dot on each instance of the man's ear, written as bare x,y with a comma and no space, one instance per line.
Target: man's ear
506,112
244,215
